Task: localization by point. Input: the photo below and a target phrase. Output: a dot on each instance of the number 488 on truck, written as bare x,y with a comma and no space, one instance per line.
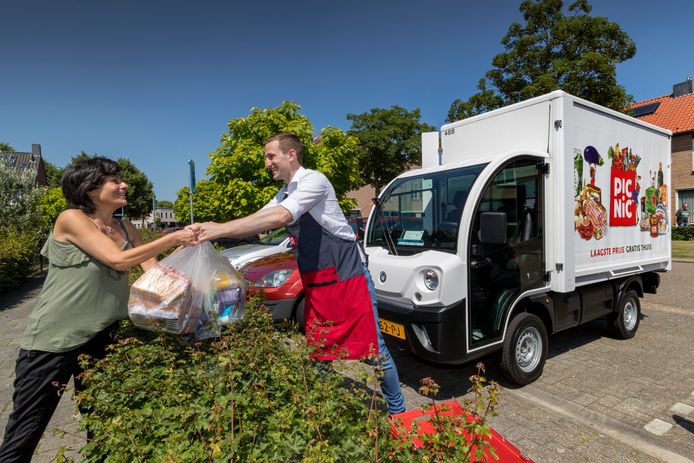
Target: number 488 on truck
524,221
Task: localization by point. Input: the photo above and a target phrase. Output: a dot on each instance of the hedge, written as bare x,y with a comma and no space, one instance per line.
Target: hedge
252,395
17,253
683,233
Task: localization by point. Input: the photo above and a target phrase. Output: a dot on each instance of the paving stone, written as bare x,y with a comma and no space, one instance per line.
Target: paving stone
682,409
658,427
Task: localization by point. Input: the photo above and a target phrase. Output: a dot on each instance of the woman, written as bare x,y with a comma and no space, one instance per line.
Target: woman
83,298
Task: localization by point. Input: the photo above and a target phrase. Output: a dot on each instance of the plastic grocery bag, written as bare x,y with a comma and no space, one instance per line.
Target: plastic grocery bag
192,292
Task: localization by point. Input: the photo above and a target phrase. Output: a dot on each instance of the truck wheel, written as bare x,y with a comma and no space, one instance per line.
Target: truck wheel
525,349
625,321
299,314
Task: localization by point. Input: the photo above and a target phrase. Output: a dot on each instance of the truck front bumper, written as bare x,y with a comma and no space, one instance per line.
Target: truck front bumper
437,333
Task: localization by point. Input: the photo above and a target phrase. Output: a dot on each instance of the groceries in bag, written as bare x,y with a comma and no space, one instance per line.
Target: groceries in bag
192,292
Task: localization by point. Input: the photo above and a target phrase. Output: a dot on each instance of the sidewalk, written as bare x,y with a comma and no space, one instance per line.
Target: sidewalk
62,431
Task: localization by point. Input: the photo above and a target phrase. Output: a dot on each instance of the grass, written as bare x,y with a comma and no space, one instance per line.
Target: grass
683,249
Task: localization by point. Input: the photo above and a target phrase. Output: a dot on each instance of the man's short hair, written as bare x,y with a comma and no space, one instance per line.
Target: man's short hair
289,141
85,176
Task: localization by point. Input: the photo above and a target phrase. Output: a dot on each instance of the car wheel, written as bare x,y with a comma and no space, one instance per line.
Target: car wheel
299,312
625,321
525,349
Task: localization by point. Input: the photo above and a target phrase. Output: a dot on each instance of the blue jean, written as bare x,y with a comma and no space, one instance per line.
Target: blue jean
390,383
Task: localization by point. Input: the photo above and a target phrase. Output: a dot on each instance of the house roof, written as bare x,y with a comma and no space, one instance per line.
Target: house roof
675,114
25,161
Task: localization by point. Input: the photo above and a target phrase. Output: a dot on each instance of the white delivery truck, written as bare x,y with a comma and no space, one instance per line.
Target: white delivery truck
528,220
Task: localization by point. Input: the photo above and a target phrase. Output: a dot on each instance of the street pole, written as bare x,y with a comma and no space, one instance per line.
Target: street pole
191,165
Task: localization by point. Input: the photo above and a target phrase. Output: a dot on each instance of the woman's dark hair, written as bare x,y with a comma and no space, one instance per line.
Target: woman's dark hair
85,176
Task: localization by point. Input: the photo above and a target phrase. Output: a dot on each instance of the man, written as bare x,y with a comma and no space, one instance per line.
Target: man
682,215
341,314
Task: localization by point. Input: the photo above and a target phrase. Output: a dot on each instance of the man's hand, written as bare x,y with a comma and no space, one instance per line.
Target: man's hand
207,231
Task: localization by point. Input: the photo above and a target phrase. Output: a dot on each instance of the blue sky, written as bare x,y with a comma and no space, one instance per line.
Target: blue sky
158,81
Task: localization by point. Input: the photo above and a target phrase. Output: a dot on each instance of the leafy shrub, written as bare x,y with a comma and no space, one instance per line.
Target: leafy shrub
51,204
17,252
455,437
251,395
19,201
683,233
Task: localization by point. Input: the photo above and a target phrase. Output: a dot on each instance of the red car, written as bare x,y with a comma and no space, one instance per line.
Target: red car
277,276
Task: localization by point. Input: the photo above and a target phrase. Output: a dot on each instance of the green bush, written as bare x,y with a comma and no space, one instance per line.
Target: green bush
251,395
683,234
17,252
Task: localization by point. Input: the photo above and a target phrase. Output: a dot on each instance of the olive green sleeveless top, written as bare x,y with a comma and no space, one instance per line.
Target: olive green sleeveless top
80,297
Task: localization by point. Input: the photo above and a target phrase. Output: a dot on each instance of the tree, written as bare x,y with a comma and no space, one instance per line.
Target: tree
165,204
54,174
577,53
239,184
52,203
140,191
19,201
390,140
6,147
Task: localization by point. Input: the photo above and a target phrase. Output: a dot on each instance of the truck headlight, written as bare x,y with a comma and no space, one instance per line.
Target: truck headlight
431,280
274,279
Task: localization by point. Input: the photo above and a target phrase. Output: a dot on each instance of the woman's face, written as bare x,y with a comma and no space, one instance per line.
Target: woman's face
111,193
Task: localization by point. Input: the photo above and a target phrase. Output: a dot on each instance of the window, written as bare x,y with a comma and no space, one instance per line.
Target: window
423,212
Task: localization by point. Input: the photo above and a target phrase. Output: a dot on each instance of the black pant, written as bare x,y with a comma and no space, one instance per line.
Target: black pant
40,378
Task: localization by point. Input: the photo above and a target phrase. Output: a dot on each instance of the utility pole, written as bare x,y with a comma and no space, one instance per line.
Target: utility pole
191,165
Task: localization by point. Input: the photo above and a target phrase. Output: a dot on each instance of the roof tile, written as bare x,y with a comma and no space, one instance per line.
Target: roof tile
675,114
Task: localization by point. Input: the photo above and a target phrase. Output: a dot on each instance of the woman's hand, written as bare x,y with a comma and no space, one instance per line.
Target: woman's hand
186,237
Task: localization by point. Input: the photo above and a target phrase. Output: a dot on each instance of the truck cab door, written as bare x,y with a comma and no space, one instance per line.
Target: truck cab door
502,267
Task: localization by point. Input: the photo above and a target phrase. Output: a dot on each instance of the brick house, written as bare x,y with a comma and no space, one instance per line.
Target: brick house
33,162
675,112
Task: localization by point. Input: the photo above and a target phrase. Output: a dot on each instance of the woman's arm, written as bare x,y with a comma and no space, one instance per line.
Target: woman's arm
74,226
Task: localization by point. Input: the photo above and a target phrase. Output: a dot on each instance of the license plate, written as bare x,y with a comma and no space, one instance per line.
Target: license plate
393,329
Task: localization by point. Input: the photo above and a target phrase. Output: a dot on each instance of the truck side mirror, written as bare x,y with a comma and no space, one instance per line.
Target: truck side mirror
493,228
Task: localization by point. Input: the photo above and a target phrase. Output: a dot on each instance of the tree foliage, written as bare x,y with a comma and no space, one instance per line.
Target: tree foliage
140,191
165,204
390,140
577,53
239,184
19,201
54,174
52,203
20,225
6,147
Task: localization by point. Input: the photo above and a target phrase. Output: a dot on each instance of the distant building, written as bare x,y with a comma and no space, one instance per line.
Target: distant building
22,162
675,112
166,216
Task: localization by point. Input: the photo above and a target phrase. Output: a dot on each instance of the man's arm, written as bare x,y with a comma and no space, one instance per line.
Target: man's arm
265,219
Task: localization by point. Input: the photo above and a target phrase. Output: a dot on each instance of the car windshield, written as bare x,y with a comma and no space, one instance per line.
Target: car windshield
423,212
275,237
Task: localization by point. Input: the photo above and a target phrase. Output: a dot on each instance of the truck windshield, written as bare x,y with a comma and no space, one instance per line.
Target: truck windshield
423,212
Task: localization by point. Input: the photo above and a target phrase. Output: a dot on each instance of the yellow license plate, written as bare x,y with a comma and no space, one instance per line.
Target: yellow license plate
392,329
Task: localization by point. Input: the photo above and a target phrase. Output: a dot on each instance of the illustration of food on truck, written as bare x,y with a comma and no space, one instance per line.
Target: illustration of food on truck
522,222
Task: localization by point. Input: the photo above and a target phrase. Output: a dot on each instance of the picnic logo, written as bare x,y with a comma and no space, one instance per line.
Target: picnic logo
624,186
